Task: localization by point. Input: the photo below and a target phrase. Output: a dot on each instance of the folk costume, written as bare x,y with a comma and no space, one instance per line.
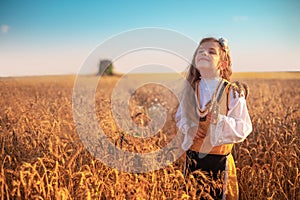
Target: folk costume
213,153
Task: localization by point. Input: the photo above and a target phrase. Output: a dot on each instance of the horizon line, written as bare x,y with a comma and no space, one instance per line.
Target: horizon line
122,74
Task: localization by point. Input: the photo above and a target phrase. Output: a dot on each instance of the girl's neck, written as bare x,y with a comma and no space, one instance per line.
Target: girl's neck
214,79
210,77
210,74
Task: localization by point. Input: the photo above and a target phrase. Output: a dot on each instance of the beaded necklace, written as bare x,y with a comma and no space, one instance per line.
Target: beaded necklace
208,106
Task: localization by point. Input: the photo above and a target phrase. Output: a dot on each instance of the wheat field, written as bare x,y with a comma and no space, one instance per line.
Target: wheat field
43,157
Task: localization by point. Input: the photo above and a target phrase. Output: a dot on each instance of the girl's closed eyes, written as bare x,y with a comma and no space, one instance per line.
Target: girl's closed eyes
211,51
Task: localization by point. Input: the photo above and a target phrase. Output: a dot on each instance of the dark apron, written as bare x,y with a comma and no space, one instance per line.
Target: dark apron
213,164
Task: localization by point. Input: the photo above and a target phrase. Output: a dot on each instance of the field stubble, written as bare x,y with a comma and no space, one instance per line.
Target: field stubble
42,156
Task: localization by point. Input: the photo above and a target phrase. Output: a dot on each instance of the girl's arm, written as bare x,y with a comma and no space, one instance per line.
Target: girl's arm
233,127
184,124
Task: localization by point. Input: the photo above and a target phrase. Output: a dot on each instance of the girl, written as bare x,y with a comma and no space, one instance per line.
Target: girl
214,115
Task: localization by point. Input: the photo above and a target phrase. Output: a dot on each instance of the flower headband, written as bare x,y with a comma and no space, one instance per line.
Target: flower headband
224,43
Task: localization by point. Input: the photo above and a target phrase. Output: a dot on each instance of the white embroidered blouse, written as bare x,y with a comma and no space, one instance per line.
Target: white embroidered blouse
231,128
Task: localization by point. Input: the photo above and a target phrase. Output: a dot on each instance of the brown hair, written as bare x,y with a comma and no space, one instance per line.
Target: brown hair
194,75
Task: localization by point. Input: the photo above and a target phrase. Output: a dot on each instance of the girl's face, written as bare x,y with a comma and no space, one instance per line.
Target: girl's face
207,58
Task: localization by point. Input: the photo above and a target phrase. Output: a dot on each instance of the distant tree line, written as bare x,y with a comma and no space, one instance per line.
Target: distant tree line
106,67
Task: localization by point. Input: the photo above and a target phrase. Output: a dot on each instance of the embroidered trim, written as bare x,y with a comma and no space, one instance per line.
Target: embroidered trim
208,107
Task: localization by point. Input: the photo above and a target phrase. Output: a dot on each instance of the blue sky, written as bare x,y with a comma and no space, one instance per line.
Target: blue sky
55,37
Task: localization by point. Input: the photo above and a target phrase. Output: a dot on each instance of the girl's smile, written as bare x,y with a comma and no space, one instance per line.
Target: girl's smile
203,59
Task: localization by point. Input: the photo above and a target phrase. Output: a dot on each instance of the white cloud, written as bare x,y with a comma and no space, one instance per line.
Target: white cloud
240,18
4,28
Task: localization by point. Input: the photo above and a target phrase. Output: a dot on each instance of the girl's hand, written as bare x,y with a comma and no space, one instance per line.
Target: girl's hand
200,133
212,117
208,116
197,131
